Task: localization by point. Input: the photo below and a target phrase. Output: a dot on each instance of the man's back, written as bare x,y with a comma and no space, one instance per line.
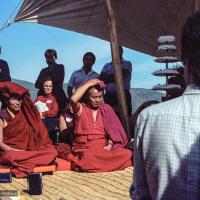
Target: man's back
167,161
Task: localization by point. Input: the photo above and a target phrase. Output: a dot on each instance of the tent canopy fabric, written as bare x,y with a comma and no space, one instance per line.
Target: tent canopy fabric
139,22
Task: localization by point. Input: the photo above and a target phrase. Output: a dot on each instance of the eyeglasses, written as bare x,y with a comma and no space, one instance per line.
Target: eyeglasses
48,86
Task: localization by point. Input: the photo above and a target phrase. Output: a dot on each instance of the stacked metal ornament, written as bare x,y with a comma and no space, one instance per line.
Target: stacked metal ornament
166,49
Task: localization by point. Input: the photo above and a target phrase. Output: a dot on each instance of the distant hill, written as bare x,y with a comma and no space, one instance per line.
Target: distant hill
30,86
139,95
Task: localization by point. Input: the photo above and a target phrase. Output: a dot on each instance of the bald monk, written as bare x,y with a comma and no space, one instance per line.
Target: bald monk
24,140
99,138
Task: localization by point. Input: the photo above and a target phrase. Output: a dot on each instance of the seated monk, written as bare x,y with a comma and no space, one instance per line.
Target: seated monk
66,126
24,140
99,138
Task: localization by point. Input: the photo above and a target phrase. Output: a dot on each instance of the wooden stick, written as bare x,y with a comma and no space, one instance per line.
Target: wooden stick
117,67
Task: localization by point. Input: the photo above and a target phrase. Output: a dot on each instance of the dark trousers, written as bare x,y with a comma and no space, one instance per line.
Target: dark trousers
51,123
111,99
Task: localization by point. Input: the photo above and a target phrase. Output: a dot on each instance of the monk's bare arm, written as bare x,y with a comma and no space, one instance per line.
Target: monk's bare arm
62,124
109,145
78,94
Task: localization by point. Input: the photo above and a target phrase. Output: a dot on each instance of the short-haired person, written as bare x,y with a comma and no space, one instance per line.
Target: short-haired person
47,106
107,75
24,141
99,138
81,75
167,136
57,73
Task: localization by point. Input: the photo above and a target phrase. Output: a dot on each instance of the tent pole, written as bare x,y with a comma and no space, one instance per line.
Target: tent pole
118,72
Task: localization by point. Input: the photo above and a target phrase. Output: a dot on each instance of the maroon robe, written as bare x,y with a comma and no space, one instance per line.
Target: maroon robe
25,132
113,127
91,137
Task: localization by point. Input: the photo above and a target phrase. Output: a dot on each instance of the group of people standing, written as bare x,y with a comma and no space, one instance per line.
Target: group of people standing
92,137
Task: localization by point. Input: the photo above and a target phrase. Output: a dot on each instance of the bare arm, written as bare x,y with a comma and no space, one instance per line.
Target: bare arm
62,124
75,98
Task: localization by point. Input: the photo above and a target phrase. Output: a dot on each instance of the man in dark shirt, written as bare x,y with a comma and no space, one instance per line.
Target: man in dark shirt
107,75
4,76
56,72
4,71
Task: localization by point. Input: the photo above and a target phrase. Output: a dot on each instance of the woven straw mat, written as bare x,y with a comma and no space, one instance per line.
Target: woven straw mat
70,185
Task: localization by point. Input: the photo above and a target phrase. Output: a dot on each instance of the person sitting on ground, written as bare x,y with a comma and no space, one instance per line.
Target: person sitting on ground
24,141
66,126
47,106
99,138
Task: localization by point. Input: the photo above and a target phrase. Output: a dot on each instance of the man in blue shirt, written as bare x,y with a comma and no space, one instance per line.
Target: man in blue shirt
85,73
107,75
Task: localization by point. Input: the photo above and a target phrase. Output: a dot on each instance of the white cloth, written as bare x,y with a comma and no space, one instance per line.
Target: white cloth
109,69
79,76
42,107
167,149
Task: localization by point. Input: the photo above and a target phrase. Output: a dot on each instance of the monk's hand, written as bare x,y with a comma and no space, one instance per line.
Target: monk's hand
17,149
41,116
109,145
93,82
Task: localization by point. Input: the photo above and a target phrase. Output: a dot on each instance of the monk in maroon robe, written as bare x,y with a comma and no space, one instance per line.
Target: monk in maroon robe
24,140
99,138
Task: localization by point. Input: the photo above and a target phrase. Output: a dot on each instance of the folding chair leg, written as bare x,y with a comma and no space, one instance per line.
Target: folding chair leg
57,137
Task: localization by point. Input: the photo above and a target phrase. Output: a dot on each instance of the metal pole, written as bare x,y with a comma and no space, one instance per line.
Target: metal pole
117,67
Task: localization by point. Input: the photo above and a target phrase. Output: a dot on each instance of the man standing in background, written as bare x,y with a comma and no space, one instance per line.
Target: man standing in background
107,76
85,73
4,70
4,76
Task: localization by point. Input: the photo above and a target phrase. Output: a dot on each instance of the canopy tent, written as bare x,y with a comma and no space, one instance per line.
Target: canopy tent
136,24
139,22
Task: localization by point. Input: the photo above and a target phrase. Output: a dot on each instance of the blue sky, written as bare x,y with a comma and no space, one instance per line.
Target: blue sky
23,46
